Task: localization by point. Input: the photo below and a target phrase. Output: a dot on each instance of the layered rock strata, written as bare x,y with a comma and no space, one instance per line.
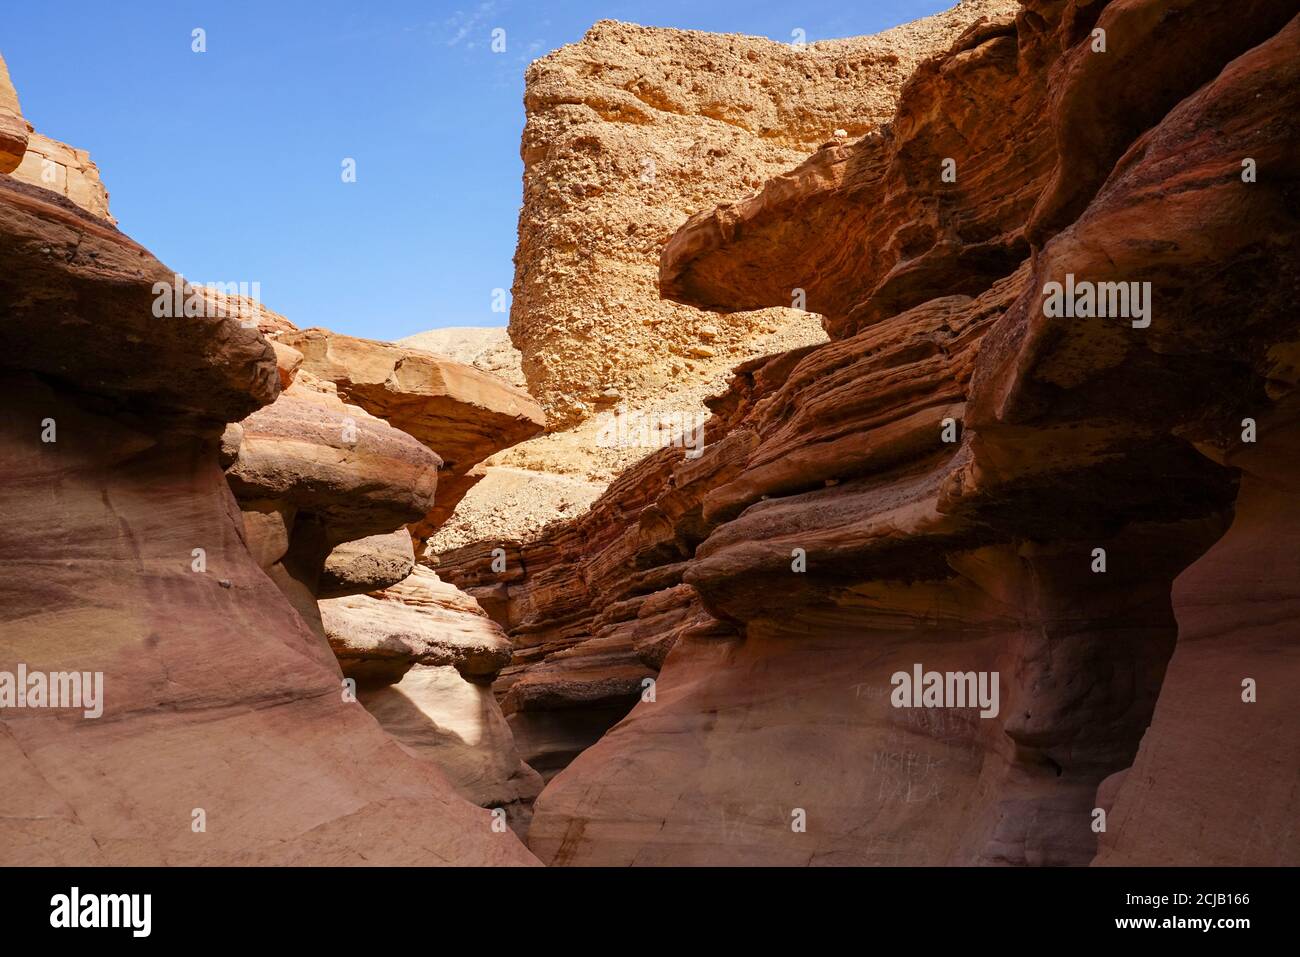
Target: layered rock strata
633,129
965,482
32,158
424,656
322,483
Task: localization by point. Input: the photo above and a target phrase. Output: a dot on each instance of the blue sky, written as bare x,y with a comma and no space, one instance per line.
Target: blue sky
227,164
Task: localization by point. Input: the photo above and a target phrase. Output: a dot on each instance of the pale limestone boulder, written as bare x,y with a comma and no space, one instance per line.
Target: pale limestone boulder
420,620
436,714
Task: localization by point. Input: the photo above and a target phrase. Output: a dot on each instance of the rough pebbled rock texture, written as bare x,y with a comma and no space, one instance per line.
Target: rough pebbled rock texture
634,128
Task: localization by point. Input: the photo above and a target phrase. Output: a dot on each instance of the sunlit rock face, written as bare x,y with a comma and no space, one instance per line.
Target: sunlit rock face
968,480
462,413
317,479
13,128
633,129
224,735
32,158
423,655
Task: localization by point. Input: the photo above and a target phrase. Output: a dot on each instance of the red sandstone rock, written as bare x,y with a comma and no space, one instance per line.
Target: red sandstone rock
217,697
975,555
367,564
424,655
353,472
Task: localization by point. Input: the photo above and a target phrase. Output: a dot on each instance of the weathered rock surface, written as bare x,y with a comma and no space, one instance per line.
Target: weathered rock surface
421,619
216,696
312,474
351,471
13,128
484,347
933,486
462,413
367,564
424,654
633,129
67,171
456,409
588,627
321,482
32,158
1098,511
457,724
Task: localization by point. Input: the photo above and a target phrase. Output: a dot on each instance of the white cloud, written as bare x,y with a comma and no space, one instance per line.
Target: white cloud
461,24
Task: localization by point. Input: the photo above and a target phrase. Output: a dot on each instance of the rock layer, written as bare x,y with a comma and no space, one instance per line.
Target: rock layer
633,129
13,128
937,486
219,704
424,655
461,412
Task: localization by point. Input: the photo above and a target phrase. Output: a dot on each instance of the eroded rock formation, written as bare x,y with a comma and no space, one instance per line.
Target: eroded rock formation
424,654
462,412
1089,507
937,485
323,482
41,161
13,128
635,128
219,704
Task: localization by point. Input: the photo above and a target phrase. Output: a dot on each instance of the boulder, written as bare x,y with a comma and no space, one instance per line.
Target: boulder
423,655
459,411
367,564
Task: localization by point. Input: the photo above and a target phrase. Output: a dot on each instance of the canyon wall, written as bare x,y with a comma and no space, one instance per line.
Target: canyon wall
337,498
180,492
1092,505
1092,508
32,158
633,129
224,736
